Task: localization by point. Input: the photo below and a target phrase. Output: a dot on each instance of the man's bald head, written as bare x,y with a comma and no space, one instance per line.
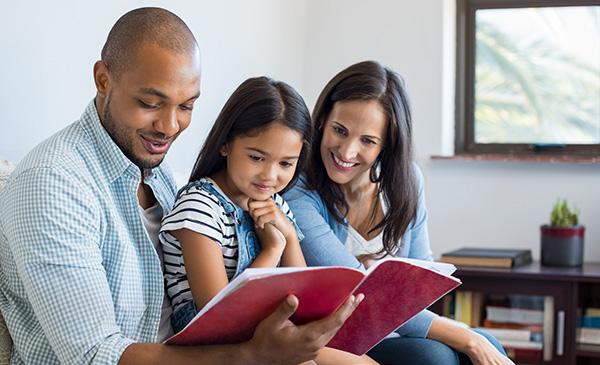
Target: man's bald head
145,25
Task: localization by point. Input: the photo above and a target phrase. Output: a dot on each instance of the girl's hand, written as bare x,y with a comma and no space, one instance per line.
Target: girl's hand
271,238
267,211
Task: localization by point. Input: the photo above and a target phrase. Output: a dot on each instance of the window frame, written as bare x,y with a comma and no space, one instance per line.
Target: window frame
465,84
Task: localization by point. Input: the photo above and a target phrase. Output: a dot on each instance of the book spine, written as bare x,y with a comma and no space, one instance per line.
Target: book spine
509,334
589,336
548,326
523,259
590,321
515,315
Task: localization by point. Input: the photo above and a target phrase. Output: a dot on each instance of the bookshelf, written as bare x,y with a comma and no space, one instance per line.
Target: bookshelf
565,291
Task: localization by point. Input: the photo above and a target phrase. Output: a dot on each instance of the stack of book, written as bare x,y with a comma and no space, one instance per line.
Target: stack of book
588,331
519,329
487,257
468,308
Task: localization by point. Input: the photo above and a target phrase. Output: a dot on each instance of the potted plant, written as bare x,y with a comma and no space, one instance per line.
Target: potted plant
562,240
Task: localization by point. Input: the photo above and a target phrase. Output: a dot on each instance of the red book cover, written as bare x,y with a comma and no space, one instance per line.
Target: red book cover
395,290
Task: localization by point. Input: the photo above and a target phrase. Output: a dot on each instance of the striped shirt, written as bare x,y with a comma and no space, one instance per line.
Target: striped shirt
200,211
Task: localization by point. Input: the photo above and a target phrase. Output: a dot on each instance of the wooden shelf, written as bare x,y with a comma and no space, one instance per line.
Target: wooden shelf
573,159
569,288
585,350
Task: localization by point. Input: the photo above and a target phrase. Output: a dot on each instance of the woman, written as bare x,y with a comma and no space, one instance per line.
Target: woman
362,199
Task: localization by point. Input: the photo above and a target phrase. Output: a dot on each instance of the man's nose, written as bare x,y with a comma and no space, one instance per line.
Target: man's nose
168,123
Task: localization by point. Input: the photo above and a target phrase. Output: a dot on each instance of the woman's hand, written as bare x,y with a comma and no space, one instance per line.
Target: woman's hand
482,352
462,339
265,212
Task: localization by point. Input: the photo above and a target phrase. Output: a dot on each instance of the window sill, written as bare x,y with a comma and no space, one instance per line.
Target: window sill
520,158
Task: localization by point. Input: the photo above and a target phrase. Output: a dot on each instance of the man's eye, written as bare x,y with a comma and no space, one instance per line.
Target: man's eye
145,105
187,108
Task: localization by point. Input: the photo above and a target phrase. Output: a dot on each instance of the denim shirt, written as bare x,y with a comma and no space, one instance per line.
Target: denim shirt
325,239
248,245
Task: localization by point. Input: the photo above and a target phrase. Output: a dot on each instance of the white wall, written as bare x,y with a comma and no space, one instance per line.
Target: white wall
46,62
480,204
48,54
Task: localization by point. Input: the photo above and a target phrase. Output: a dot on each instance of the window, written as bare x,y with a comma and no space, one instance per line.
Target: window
528,77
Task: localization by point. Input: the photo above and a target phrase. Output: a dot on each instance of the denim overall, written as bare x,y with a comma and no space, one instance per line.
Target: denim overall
248,246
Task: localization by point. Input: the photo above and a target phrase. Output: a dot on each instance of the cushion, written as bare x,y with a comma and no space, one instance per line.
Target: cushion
6,167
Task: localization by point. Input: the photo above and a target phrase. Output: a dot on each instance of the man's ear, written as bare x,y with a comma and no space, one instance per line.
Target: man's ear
102,78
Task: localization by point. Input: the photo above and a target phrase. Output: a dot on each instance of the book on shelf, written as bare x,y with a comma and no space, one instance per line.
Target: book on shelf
508,334
469,308
515,344
524,355
395,290
588,335
590,321
592,312
487,257
533,328
514,315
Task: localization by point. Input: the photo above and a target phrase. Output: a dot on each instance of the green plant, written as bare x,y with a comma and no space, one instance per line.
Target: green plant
562,215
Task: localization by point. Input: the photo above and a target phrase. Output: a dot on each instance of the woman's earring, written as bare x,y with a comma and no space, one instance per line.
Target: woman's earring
375,172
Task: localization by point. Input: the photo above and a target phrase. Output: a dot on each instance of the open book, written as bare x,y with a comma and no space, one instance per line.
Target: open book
395,290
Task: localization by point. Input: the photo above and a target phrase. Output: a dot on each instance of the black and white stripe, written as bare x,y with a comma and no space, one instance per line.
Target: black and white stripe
200,211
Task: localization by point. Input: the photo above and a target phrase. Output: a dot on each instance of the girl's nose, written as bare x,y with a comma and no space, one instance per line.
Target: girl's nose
269,172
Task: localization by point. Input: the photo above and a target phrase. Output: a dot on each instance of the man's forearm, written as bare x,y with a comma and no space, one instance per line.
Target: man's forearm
153,353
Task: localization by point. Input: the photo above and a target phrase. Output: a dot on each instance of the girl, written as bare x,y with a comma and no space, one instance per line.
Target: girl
363,199
230,216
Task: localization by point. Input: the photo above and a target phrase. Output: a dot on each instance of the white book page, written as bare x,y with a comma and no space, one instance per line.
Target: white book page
439,267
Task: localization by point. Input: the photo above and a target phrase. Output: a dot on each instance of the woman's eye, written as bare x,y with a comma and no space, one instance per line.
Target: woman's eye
369,141
255,158
339,130
286,164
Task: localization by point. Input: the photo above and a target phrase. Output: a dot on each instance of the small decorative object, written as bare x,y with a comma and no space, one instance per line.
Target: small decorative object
562,240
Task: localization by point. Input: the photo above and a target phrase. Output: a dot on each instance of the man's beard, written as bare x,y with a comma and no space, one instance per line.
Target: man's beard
119,135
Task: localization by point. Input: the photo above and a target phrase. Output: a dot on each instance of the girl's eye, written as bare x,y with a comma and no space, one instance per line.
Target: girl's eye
255,158
286,164
145,105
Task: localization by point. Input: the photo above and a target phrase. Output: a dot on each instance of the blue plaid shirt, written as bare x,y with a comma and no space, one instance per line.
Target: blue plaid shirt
79,278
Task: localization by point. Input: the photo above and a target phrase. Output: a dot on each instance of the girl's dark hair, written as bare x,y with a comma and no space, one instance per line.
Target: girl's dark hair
393,169
253,106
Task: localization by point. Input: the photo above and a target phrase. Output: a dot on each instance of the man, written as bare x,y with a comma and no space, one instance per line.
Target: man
80,269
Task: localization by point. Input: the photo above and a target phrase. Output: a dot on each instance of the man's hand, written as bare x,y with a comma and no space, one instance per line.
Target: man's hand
278,341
